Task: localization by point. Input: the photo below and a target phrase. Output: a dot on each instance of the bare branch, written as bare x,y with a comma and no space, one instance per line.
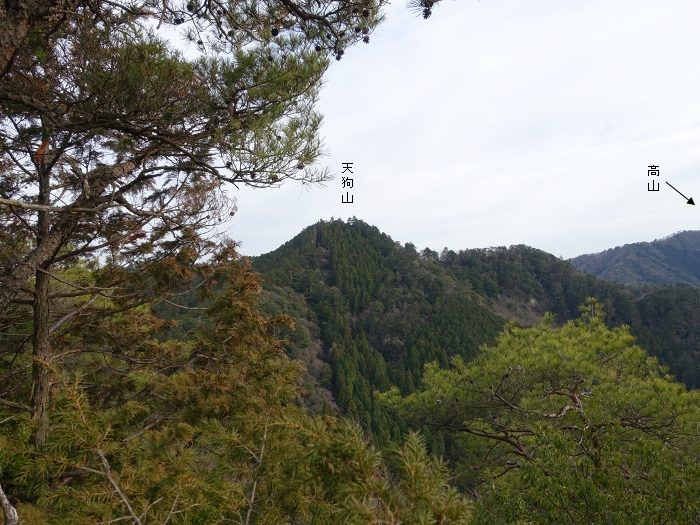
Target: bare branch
251,500
41,207
72,314
12,404
107,473
8,511
185,307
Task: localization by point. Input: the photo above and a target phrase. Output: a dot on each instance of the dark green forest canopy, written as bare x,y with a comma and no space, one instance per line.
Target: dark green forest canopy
528,282
378,313
574,424
351,286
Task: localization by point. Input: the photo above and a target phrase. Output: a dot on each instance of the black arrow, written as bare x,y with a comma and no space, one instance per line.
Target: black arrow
690,200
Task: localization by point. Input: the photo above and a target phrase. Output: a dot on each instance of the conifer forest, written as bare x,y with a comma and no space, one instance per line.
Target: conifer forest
151,374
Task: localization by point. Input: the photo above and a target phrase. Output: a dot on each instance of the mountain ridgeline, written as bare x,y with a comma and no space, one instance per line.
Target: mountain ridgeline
675,259
370,313
378,313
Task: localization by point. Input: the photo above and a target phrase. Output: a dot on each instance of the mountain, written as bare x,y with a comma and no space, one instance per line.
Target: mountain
370,313
523,283
675,259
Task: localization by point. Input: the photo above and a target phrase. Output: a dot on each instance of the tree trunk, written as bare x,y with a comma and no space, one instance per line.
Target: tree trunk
13,31
41,373
15,24
8,511
56,237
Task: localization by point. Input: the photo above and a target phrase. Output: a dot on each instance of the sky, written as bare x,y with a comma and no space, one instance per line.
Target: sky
500,122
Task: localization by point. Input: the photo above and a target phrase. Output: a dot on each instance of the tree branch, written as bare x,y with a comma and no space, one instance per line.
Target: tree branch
251,500
107,473
12,404
11,283
8,511
41,207
69,315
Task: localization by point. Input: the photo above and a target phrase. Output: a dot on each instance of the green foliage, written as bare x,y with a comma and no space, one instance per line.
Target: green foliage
204,428
523,283
197,414
539,280
378,312
573,424
670,329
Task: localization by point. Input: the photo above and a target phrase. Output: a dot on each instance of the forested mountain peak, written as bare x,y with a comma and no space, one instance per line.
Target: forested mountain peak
346,281
374,311
319,237
673,259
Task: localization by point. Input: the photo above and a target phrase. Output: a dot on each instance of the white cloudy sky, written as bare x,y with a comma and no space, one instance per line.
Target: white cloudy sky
500,122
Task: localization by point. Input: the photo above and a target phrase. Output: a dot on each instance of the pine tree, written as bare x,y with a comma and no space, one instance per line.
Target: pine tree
565,424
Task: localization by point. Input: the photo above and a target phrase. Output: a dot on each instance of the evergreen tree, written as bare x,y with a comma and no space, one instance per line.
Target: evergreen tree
205,428
573,424
116,148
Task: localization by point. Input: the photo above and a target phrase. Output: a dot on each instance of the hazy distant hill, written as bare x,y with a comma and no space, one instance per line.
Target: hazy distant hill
675,259
371,312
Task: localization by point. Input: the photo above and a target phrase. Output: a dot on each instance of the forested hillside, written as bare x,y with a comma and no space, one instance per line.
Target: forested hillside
675,259
372,312
566,421
378,313
566,425
524,283
200,417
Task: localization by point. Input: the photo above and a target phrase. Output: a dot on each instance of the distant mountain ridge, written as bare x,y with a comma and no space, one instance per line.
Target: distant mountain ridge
671,260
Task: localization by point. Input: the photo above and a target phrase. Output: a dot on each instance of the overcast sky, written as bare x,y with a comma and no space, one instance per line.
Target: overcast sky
500,122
